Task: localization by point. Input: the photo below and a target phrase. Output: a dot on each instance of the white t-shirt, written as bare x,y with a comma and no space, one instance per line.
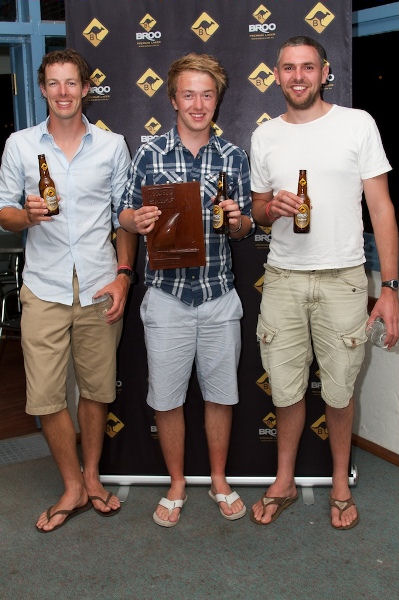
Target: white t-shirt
339,150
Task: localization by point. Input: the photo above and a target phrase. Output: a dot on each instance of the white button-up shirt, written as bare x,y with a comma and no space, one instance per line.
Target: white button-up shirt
90,187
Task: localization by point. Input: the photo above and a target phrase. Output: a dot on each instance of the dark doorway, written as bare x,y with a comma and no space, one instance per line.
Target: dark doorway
374,68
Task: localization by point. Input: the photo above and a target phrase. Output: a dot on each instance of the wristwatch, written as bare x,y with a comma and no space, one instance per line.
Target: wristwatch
392,283
129,272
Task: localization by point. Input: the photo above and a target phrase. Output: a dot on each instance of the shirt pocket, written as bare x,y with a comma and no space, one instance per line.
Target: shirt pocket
169,176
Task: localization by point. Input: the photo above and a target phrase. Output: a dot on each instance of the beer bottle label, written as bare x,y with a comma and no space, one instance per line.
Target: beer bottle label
218,217
50,198
303,217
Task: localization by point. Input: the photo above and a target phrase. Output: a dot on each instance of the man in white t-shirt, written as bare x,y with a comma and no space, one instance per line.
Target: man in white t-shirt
315,292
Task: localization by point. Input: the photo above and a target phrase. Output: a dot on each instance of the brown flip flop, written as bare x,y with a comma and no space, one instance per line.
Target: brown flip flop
109,513
281,502
70,514
342,506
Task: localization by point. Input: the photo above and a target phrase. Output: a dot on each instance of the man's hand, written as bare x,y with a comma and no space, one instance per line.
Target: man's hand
141,220
284,204
118,290
387,307
36,210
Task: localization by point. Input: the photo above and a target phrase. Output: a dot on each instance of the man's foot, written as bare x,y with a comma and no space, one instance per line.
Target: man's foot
164,514
265,513
68,505
344,514
220,486
102,501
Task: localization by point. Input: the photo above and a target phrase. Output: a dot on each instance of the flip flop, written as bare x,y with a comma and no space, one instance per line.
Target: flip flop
170,505
281,502
342,506
109,513
229,499
70,514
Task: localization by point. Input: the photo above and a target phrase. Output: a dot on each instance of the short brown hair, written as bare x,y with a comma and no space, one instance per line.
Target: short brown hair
64,56
304,40
197,62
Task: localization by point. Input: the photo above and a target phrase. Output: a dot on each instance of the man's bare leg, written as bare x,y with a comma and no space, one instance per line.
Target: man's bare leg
92,418
171,430
339,423
290,423
61,438
218,418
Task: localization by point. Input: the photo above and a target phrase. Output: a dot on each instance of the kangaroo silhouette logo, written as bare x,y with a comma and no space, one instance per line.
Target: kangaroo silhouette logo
264,117
113,425
149,82
97,77
102,125
262,77
319,427
319,17
95,32
204,27
147,22
261,14
153,126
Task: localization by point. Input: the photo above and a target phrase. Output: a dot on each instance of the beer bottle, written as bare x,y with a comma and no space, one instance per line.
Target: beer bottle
220,221
47,188
302,219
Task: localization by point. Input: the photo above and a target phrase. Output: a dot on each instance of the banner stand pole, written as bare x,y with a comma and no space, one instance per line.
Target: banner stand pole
124,481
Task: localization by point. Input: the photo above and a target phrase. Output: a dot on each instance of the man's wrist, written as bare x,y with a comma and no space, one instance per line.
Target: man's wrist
127,271
269,217
238,228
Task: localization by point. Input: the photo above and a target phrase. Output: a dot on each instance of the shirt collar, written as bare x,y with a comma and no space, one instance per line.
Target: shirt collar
45,132
173,140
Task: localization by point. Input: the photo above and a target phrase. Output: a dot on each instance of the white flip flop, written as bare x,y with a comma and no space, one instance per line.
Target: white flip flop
170,505
229,499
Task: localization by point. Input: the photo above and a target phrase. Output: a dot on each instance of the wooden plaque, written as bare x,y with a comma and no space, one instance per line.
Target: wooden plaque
177,239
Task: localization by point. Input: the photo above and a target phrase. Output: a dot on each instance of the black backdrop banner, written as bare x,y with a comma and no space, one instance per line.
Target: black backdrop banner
129,47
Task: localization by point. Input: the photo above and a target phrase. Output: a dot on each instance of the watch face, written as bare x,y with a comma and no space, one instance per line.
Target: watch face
393,283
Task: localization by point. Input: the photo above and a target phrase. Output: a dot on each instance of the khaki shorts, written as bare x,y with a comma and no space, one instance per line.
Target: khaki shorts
50,333
325,308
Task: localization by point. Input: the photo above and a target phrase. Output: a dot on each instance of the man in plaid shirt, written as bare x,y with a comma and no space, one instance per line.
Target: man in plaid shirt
193,313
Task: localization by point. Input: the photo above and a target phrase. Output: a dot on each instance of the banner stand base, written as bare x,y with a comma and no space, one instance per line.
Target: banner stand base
124,481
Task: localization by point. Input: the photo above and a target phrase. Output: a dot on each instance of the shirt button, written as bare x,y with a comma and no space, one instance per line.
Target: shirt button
192,276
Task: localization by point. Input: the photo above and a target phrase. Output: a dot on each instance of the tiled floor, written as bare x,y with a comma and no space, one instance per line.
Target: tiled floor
23,448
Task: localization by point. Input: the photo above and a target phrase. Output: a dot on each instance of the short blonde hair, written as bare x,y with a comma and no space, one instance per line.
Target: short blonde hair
197,62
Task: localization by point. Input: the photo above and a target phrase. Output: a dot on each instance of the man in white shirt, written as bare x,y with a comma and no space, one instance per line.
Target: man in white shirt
315,291
69,260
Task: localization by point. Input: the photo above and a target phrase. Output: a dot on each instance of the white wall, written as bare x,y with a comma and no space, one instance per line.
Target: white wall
377,390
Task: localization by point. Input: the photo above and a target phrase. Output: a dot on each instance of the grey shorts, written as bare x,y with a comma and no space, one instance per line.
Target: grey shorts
176,335
50,332
328,308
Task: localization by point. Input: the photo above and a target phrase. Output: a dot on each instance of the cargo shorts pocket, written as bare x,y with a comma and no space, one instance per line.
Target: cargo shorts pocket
355,338
264,332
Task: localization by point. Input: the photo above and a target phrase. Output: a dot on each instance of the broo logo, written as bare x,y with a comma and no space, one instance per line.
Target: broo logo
264,383
319,17
152,126
149,82
319,427
98,91
147,22
95,32
102,125
113,425
262,77
204,27
148,37
261,14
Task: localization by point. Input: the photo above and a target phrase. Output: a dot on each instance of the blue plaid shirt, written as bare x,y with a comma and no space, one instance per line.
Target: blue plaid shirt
166,160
